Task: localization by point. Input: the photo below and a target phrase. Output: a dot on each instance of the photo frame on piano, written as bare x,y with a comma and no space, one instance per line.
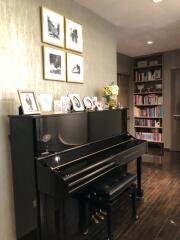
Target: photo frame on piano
88,103
29,102
76,102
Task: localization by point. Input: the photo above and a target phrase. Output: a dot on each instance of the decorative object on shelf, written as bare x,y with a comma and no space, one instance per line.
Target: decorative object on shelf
28,102
54,64
75,68
58,106
76,102
110,93
74,36
153,63
140,88
100,105
142,63
45,100
66,104
52,27
88,103
157,74
158,87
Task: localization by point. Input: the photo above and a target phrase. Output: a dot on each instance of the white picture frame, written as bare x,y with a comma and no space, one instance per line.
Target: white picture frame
74,36
88,103
76,102
75,68
54,64
29,102
66,104
52,27
45,102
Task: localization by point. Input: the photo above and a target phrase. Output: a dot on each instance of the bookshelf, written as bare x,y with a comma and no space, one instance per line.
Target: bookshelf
148,98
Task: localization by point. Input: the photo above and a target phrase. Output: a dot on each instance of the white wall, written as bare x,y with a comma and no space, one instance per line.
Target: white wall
21,68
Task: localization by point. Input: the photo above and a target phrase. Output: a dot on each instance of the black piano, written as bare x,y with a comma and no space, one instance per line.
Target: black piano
55,157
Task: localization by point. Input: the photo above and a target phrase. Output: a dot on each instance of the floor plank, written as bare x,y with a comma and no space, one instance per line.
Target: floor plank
159,211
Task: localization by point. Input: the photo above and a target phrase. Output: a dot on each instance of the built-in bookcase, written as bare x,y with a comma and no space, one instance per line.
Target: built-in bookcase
148,98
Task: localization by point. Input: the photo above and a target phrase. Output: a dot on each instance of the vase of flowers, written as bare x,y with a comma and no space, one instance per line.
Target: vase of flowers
110,93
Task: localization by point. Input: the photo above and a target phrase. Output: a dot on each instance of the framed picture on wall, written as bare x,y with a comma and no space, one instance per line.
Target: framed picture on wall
52,27
74,36
75,68
54,64
28,102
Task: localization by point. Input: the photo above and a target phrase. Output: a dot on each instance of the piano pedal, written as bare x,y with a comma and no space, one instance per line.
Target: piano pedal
103,212
99,215
94,219
85,232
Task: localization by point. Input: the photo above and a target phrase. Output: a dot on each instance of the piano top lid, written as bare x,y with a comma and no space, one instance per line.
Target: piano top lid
52,114
43,156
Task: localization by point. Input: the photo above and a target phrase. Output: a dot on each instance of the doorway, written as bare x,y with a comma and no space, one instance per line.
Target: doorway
123,82
175,110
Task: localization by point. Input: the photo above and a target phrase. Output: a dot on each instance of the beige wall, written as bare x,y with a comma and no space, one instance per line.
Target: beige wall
21,68
171,61
124,64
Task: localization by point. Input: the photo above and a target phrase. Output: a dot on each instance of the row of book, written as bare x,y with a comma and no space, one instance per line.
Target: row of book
155,137
148,99
156,111
147,75
148,123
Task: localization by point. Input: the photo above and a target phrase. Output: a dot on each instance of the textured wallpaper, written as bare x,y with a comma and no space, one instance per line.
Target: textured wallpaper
21,68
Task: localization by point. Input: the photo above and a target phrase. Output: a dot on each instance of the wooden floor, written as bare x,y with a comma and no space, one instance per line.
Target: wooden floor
159,211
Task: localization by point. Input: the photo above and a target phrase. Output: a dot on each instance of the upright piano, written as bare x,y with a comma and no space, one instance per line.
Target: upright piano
56,156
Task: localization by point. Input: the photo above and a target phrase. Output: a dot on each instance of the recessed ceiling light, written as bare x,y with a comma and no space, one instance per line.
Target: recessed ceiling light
157,1
149,42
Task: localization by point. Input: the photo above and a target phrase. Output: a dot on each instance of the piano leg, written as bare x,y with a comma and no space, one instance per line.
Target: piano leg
140,192
83,216
52,218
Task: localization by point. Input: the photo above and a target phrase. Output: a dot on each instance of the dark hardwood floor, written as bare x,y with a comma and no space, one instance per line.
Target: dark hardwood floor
159,211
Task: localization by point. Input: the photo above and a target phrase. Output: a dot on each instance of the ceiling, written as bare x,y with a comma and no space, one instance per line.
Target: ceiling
139,21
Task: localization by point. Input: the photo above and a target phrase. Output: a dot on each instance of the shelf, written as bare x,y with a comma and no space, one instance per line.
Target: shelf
150,140
147,105
148,66
148,81
146,93
148,98
149,117
148,127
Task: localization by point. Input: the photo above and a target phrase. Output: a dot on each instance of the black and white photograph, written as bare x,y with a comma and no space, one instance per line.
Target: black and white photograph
54,64
76,102
74,36
75,68
52,28
28,102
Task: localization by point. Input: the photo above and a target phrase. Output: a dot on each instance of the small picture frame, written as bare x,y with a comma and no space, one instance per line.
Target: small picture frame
29,102
58,106
66,104
88,103
52,27
100,105
54,64
75,68
74,36
45,100
76,102
94,101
